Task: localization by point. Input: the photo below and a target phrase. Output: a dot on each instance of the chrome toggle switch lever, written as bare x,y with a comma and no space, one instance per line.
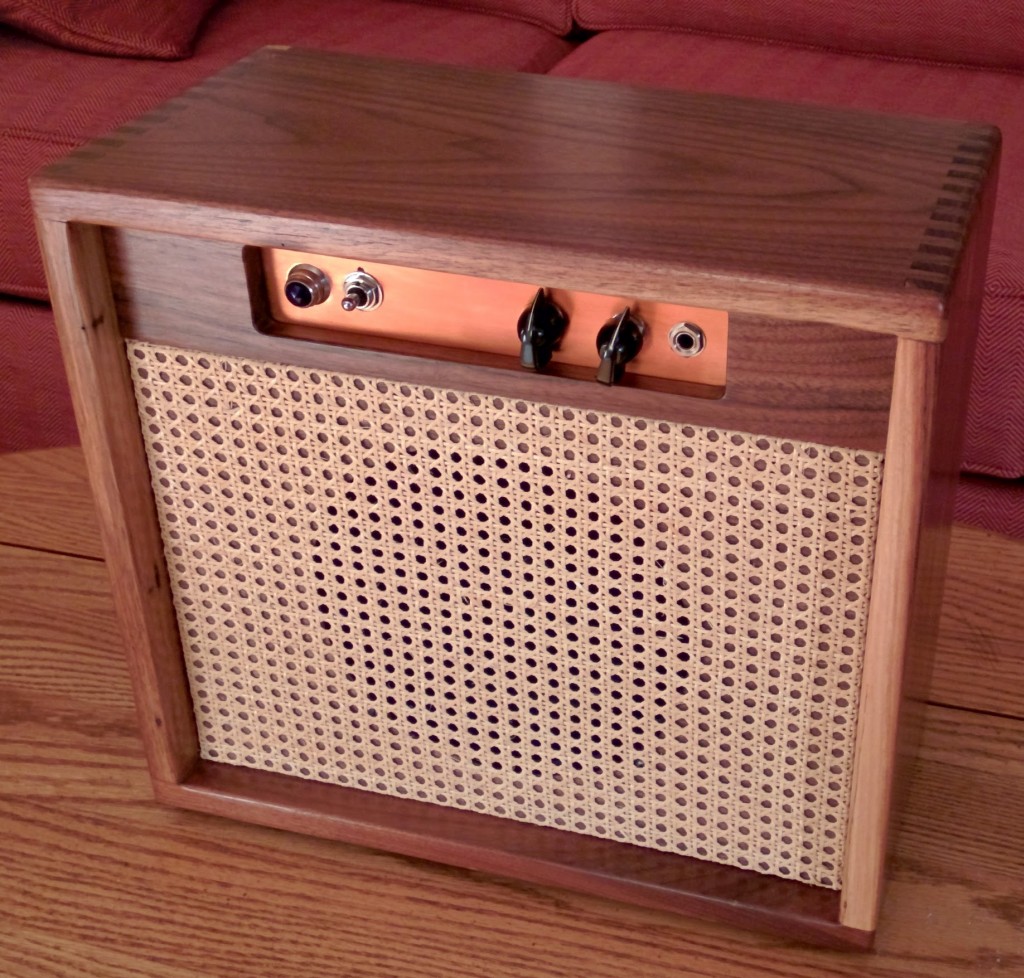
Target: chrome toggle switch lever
362,292
618,342
541,326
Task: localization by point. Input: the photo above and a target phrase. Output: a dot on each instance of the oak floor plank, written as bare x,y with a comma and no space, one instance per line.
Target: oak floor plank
45,502
980,660
43,954
99,881
56,611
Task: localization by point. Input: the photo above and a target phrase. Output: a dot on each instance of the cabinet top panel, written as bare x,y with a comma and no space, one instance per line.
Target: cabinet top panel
794,211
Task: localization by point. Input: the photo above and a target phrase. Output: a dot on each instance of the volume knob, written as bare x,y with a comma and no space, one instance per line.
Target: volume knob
618,342
540,329
306,286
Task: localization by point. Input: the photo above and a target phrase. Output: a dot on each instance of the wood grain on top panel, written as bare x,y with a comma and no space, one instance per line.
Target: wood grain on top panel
766,208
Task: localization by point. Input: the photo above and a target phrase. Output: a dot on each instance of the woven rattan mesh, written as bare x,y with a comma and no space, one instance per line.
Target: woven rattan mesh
645,631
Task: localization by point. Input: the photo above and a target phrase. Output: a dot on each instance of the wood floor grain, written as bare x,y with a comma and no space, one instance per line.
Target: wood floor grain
100,882
981,631
45,502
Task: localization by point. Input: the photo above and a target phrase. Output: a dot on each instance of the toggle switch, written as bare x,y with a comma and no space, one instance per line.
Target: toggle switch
306,286
618,342
362,292
541,326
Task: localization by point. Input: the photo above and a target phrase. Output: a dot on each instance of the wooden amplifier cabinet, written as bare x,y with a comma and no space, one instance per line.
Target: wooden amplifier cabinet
649,637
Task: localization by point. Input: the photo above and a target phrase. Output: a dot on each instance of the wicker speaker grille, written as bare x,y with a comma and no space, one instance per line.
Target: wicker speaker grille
616,626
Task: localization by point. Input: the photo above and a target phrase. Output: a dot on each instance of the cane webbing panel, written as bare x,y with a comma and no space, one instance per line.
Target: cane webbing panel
639,630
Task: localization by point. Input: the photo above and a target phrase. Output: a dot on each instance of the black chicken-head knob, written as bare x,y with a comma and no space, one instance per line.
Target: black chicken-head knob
618,341
541,326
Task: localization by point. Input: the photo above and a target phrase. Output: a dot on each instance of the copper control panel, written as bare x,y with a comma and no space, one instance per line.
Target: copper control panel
616,337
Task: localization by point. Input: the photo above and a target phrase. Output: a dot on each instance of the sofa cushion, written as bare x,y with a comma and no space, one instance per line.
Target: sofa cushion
995,435
991,504
133,28
555,15
35,404
989,33
53,99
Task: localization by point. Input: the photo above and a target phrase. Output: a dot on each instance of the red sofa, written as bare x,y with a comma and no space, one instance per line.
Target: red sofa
70,72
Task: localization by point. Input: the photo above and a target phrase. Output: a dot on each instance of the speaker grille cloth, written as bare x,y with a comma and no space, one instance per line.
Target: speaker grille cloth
616,626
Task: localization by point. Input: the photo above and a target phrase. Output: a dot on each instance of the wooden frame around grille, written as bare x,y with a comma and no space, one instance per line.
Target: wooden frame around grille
638,630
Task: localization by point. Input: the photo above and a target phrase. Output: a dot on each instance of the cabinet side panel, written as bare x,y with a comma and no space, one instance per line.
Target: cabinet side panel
105,409
923,458
892,586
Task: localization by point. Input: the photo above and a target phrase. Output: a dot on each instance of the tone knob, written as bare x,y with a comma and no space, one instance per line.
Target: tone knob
362,292
541,326
618,341
306,286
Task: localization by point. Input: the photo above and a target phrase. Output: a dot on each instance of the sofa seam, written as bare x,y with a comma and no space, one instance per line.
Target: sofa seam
123,44
804,46
561,30
37,135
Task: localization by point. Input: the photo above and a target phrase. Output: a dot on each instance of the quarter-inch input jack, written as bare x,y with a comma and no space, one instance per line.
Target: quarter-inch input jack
686,339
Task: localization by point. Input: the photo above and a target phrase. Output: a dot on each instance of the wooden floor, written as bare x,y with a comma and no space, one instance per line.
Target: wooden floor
97,880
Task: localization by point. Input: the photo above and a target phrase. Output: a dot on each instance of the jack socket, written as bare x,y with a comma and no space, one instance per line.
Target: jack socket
686,339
